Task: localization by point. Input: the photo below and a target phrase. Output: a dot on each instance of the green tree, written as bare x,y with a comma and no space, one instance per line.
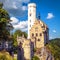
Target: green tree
5,25
5,56
54,47
1,5
25,34
19,33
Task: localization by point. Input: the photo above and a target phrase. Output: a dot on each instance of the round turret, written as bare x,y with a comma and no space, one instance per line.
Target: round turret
31,16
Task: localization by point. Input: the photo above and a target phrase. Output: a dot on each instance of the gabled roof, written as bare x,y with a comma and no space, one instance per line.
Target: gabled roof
41,23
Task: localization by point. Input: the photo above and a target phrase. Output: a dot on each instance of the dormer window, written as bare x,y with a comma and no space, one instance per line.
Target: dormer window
43,26
32,35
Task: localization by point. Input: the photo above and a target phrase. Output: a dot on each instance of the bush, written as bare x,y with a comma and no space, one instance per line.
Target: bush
5,56
54,47
34,49
35,58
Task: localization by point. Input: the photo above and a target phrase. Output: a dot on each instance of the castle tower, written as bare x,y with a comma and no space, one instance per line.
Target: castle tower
31,16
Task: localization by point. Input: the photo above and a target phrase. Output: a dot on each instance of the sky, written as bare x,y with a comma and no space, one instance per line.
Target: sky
49,11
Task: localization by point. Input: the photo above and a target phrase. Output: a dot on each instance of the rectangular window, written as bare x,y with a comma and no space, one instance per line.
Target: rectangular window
38,39
36,34
30,20
30,25
30,14
32,35
40,34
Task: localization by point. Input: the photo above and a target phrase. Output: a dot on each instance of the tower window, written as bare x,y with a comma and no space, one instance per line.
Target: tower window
36,34
30,25
32,35
30,20
38,39
30,14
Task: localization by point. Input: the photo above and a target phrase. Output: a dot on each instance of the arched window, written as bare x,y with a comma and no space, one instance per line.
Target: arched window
36,34
38,39
32,35
40,34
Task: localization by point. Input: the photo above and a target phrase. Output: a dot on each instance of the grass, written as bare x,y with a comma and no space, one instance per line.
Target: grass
5,55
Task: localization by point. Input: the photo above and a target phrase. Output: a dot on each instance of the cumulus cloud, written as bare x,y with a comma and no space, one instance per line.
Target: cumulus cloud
50,15
22,25
54,31
24,8
14,20
15,7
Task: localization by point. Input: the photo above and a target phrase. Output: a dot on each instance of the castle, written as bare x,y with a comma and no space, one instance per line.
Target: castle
38,35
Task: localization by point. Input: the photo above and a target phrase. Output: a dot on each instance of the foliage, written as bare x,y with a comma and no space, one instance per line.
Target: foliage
19,33
5,56
15,58
5,25
1,5
34,50
54,47
35,58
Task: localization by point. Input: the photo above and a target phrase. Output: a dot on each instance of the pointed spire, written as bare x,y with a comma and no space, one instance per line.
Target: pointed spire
39,16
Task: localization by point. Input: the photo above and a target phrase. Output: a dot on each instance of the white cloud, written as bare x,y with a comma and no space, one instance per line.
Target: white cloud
26,1
14,20
14,3
24,8
50,15
22,25
54,31
15,7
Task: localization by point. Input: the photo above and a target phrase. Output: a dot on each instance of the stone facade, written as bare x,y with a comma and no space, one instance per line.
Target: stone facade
38,38
39,34
26,48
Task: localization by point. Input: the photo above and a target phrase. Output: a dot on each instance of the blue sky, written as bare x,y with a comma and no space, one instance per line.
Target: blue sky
49,11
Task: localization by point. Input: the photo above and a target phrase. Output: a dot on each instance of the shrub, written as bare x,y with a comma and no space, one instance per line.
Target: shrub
35,58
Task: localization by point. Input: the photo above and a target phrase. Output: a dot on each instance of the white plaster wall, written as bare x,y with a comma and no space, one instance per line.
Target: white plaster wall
31,19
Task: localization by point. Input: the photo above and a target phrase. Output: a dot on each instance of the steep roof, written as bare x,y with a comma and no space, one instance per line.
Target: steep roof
39,22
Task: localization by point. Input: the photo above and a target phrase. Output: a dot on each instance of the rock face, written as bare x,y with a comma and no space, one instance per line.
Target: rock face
44,54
